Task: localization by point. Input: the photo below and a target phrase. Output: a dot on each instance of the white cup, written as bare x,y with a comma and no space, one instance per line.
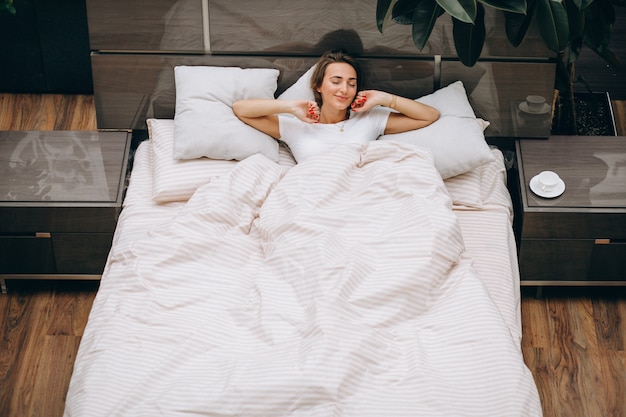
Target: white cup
547,180
535,103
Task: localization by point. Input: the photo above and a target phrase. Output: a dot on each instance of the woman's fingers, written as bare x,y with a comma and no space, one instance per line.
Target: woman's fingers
359,101
313,112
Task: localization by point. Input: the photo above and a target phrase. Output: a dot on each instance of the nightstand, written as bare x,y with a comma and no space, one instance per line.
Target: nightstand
579,237
60,196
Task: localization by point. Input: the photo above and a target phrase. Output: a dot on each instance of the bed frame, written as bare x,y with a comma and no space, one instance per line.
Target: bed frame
141,313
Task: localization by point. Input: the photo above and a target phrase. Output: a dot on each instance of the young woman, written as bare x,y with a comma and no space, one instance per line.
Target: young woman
341,112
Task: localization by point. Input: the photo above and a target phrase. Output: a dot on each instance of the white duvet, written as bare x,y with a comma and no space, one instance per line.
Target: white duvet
338,287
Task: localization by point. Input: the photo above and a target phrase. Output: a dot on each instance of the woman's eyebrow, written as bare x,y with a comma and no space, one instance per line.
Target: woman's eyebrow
341,78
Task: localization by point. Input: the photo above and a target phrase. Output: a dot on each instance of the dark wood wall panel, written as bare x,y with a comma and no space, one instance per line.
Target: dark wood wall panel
243,26
136,45
146,25
278,26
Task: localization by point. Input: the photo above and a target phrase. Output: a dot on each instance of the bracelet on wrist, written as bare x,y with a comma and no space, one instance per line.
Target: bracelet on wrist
394,98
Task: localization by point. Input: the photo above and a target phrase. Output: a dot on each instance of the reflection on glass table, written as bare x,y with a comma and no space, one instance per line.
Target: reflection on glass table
531,117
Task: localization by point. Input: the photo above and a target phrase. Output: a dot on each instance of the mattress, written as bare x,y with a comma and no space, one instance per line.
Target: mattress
109,379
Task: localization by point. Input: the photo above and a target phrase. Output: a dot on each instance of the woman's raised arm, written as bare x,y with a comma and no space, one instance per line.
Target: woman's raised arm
262,113
410,114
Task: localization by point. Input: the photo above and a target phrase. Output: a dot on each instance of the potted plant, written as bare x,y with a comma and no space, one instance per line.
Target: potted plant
564,25
7,6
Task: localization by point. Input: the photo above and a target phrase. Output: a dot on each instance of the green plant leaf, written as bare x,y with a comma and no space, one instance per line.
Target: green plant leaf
7,5
577,3
513,6
599,18
425,16
576,19
470,38
553,24
403,11
463,10
516,25
383,10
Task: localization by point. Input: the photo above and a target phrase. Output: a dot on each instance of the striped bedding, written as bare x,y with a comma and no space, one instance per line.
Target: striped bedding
348,285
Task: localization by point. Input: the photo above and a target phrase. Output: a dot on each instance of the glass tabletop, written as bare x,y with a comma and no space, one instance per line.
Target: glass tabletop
61,166
593,170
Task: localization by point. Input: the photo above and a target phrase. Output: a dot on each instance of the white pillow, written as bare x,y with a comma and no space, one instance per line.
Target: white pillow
177,180
450,101
204,123
456,140
301,89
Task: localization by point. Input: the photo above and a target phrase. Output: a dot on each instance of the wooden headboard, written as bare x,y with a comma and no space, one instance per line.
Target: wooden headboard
135,46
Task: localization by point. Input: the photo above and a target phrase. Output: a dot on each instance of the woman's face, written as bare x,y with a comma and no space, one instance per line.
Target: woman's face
339,86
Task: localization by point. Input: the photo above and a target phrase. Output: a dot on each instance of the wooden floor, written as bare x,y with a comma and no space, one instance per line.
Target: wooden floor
41,322
574,340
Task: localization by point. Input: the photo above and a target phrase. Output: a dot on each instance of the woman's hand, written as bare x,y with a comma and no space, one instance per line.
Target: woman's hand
368,99
307,111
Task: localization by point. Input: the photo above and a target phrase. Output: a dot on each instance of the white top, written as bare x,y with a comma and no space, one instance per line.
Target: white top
309,139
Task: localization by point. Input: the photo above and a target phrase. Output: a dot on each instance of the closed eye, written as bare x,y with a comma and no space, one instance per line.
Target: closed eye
337,80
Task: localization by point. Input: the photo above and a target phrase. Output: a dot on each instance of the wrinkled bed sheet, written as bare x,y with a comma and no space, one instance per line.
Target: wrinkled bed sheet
339,287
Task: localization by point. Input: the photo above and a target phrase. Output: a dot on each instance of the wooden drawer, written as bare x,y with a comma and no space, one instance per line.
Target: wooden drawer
608,261
26,254
573,260
60,253
81,253
52,219
564,224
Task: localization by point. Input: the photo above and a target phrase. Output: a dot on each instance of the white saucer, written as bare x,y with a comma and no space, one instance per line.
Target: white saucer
558,190
523,106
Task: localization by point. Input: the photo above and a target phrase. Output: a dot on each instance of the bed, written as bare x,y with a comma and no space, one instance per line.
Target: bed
375,280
